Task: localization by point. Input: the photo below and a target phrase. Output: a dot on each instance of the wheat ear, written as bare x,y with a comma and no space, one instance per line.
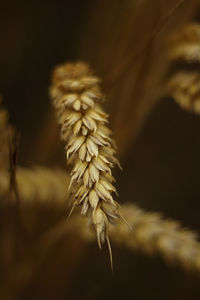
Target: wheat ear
184,87
184,45
152,233
183,84
37,185
76,97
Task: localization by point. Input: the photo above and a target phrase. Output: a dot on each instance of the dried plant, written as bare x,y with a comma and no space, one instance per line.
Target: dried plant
76,96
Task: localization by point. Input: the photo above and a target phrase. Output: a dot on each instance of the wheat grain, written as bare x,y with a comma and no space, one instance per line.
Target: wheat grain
76,96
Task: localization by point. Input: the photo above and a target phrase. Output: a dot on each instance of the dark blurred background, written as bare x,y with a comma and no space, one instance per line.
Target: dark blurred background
161,160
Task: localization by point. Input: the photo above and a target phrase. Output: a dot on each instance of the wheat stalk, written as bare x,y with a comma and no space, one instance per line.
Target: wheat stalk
154,234
5,132
151,232
76,95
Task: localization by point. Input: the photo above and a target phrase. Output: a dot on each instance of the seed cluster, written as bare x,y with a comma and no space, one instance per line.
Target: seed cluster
89,148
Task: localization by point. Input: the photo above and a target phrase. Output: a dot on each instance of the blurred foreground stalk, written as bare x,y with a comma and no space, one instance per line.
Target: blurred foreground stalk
151,233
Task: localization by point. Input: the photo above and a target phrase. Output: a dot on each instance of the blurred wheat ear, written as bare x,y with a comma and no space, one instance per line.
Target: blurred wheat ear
126,46
131,44
184,74
42,188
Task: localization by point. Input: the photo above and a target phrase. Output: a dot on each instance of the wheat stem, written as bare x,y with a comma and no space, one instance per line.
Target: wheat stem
5,132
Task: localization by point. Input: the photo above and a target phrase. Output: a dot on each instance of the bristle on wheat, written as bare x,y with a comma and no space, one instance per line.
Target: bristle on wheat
76,95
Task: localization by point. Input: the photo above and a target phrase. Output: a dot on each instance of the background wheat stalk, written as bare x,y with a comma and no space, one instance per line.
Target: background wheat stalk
37,185
151,232
5,132
184,57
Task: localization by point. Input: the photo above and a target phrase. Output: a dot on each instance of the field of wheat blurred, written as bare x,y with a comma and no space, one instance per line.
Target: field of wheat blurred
146,54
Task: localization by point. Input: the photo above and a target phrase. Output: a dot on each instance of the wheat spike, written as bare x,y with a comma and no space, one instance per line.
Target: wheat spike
184,45
37,185
154,234
76,97
151,232
184,86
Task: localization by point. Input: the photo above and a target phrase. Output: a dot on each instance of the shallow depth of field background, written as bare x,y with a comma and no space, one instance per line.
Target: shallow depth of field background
161,161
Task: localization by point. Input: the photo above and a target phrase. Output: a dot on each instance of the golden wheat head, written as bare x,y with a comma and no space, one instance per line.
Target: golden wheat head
185,89
76,96
183,84
184,45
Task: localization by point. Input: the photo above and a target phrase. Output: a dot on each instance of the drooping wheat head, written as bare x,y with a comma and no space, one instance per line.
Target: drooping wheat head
76,96
184,86
184,55
184,45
